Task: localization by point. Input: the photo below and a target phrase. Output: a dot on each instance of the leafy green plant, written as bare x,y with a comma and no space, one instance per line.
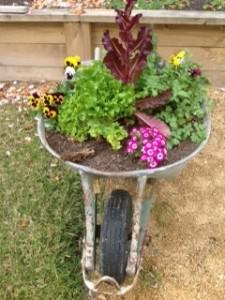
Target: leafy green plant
215,5
151,4
184,113
96,105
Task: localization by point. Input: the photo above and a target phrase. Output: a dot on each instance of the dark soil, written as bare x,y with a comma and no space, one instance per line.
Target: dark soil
100,156
15,2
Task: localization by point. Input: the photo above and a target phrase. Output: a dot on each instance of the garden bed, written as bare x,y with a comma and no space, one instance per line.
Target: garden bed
33,46
99,154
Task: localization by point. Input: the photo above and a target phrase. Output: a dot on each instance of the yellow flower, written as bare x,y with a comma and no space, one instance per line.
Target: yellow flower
53,113
58,98
176,60
35,101
181,55
47,99
50,112
46,111
72,61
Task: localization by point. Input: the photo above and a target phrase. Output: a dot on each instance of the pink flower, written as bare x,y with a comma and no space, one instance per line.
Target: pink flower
153,164
160,156
145,141
134,139
134,130
129,150
146,135
144,157
134,146
149,144
150,152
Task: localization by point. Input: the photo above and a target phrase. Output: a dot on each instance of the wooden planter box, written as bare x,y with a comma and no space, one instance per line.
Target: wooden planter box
32,47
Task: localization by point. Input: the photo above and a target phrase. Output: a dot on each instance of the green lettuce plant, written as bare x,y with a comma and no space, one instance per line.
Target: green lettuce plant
96,105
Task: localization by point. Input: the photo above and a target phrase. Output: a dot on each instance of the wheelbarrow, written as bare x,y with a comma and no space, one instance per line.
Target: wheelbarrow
123,225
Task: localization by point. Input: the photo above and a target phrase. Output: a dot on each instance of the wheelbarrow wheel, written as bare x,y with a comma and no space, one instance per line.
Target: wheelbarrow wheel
115,232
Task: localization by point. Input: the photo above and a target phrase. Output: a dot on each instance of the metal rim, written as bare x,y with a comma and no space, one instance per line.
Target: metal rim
135,173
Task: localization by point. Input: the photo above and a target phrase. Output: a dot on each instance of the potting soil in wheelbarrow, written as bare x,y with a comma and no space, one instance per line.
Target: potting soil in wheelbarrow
99,155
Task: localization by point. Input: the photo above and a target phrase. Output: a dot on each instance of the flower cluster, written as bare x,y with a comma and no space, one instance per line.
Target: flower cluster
72,61
71,65
177,59
148,144
46,104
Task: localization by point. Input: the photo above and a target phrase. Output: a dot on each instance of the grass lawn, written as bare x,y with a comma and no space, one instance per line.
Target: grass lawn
41,217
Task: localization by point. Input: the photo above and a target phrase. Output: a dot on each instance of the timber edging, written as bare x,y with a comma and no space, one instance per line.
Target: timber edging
108,16
33,46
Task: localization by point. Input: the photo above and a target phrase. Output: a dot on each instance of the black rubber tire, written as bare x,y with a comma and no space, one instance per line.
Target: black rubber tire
115,232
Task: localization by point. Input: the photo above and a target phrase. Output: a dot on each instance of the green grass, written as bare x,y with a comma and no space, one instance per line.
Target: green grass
168,4
215,5
151,4
150,277
41,217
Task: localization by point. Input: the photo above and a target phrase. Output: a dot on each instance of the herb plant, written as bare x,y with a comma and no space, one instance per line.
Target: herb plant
184,113
96,105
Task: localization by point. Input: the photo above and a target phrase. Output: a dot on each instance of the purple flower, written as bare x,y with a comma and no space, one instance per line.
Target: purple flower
196,72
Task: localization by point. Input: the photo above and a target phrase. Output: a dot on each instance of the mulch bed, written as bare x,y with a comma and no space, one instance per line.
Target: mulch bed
194,4
100,156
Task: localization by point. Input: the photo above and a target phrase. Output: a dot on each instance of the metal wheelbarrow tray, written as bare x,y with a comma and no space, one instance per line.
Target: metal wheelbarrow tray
120,257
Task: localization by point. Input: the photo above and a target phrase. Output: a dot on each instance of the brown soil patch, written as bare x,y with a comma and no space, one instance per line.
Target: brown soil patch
102,157
186,259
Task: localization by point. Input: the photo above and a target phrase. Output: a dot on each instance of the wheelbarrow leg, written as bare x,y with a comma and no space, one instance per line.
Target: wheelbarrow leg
140,220
89,207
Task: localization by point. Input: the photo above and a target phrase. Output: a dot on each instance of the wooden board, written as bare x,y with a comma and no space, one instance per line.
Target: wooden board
209,58
159,17
108,16
190,36
217,79
78,40
167,35
32,33
48,55
30,73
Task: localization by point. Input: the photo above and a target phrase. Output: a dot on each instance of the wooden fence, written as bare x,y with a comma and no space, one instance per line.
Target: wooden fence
32,47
